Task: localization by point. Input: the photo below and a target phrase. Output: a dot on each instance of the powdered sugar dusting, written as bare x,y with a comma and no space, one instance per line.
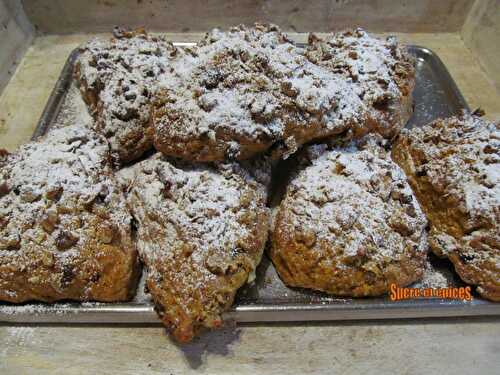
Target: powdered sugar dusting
200,201
353,195
379,71
250,86
462,159
118,77
348,221
48,191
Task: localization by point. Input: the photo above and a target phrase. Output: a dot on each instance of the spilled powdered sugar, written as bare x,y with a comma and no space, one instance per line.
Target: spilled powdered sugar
73,110
434,277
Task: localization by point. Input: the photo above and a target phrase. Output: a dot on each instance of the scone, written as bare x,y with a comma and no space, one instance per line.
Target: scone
380,71
201,232
242,92
117,78
349,224
65,232
453,166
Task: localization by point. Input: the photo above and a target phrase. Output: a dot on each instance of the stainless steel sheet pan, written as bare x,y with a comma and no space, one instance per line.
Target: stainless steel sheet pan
268,299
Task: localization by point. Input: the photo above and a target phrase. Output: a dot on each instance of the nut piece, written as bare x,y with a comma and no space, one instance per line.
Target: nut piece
10,242
47,259
221,266
54,193
307,237
29,196
49,221
4,189
65,240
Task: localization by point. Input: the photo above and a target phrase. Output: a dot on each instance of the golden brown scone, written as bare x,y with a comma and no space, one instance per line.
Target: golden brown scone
116,78
349,224
65,232
242,92
201,233
380,71
453,166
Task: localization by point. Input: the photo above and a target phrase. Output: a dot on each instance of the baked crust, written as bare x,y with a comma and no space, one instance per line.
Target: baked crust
117,78
349,224
380,71
453,166
65,232
201,233
242,92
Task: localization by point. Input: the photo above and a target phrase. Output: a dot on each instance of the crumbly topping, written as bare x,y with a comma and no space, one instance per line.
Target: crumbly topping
122,73
145,55
240,92
251,86
358,199
463,160
51,193
124,110
201,233
209,207
453,165
379,71
460,158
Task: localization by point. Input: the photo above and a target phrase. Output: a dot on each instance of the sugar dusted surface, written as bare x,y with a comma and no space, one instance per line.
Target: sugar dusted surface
350,195
455,163
47,187
349,223
252,86
201,231
122,74
135,52
203,203
378,70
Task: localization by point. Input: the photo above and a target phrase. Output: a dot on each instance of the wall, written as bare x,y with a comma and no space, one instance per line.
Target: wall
70,16
481,34
16,34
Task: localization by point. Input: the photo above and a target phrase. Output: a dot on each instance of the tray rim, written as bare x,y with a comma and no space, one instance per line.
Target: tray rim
359,309
353,309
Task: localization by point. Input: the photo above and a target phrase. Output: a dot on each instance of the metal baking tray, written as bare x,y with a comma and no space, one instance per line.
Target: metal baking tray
268,299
